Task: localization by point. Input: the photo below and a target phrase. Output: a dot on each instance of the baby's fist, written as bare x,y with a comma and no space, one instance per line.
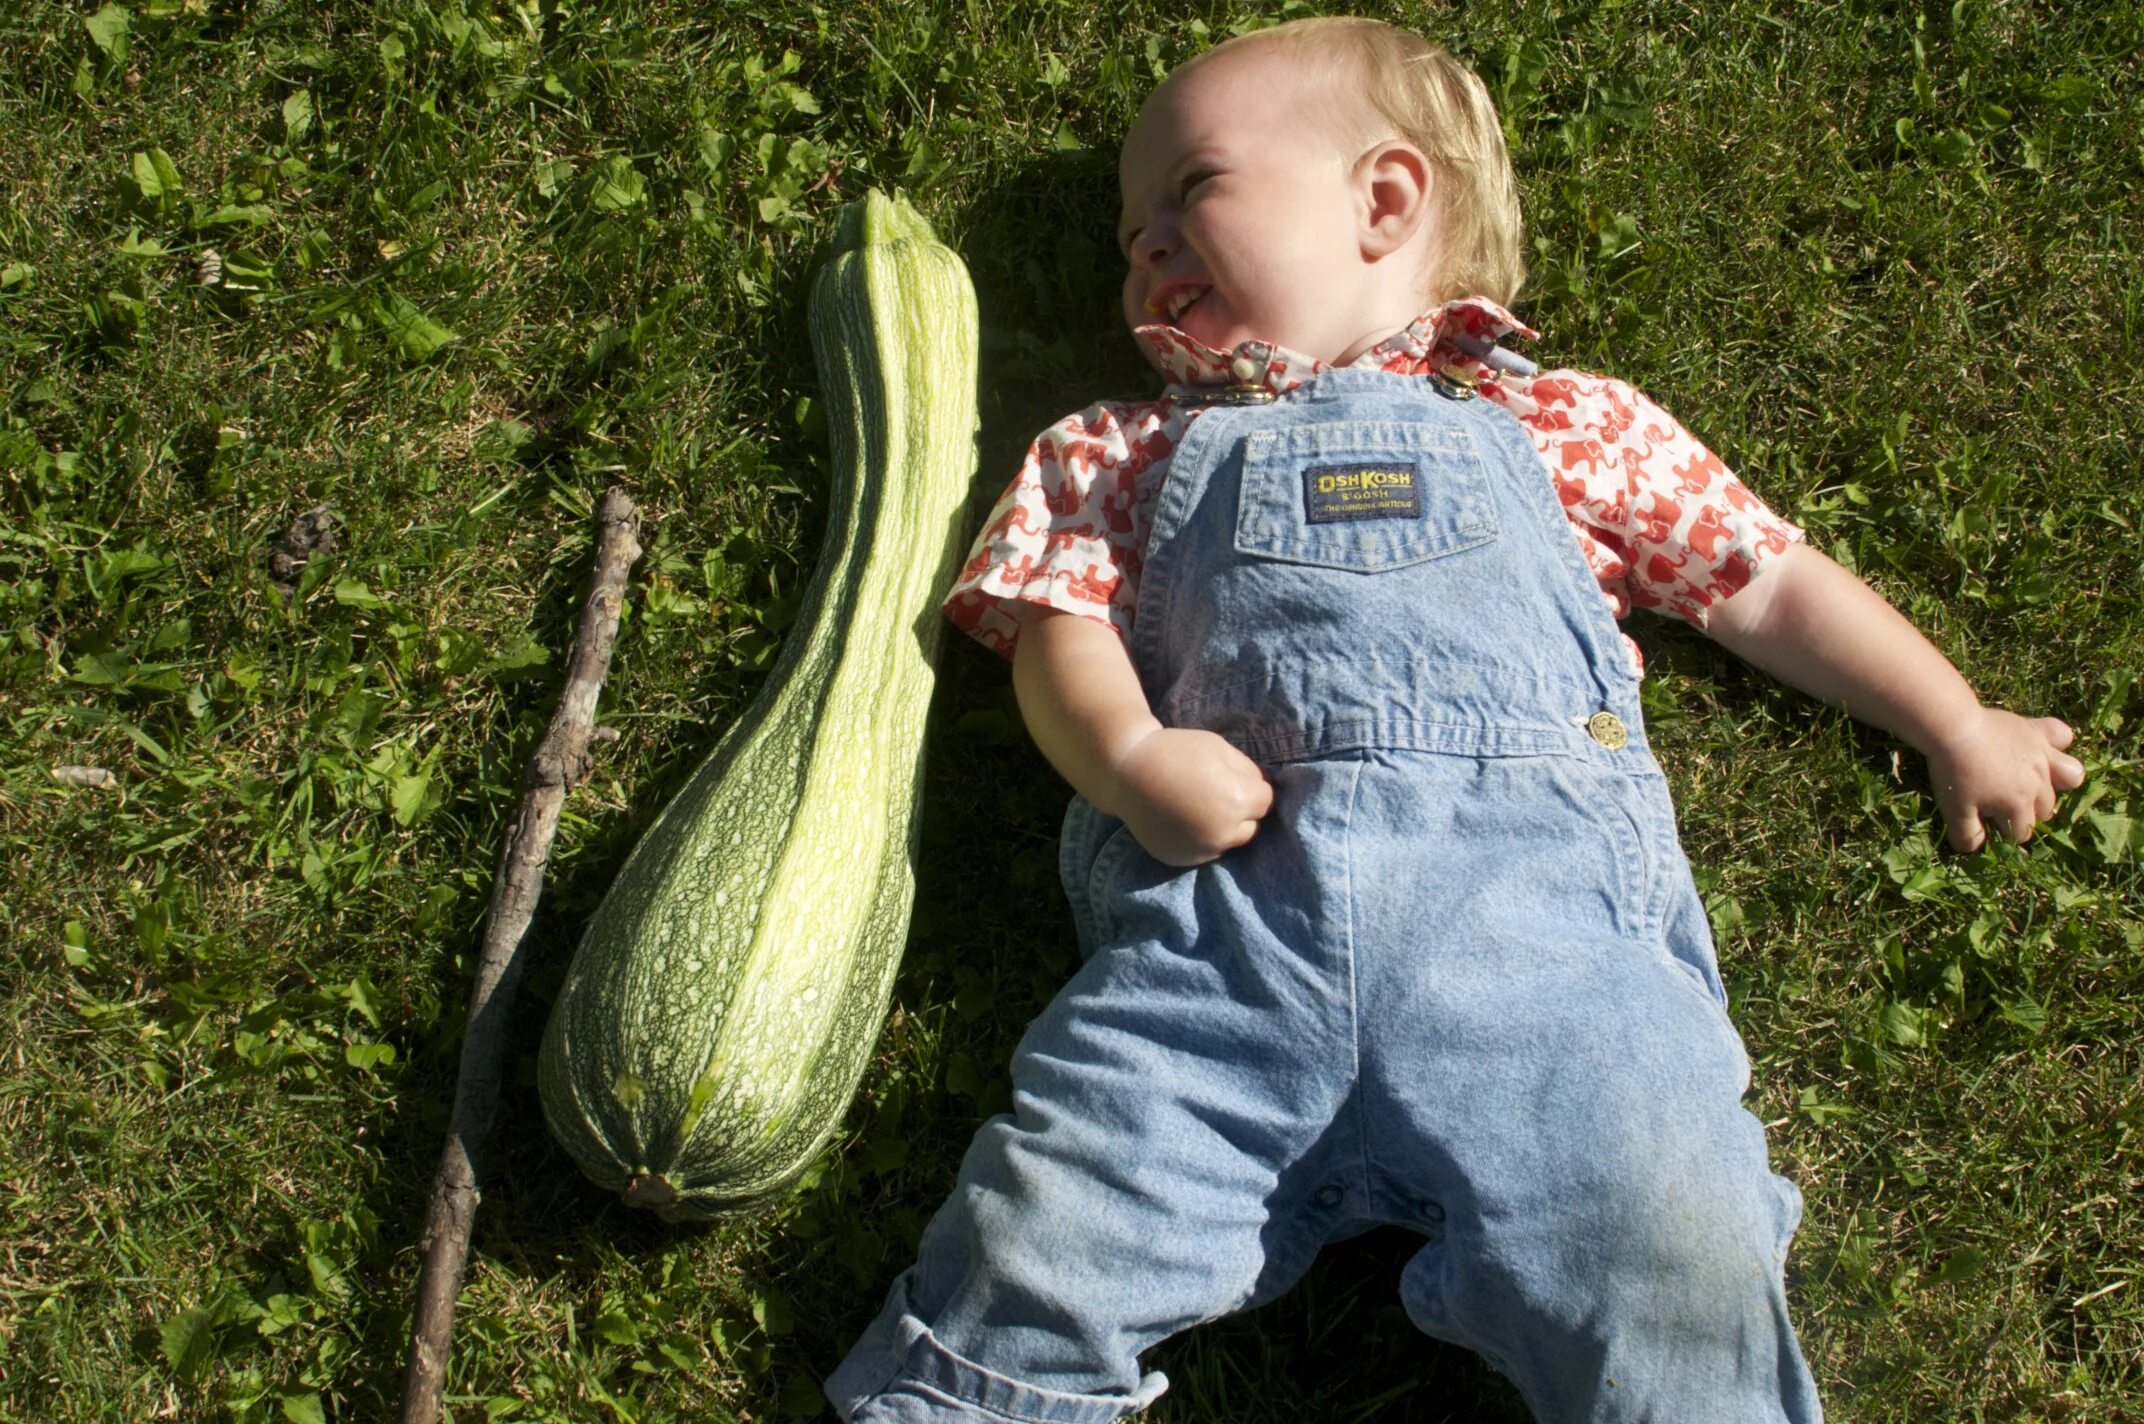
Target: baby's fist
2000,773
1188,795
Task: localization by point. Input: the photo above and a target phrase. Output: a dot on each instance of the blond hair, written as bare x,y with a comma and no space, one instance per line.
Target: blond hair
1437,104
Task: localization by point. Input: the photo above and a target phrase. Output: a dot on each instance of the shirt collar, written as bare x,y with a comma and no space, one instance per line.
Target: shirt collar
1429,342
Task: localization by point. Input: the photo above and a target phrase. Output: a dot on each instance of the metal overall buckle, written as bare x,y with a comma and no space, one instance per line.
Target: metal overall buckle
1246,388
1455,384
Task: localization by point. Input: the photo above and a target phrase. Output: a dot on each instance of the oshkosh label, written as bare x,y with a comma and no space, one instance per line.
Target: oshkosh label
1332,493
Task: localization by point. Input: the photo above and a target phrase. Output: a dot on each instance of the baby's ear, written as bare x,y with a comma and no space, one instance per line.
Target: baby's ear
1394,181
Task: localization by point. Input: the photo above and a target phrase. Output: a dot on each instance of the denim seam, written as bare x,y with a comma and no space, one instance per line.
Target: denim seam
1356,734
1077,878
1101,876
1363,561
955,1396
1661,820
1401,434
1354,1007
894,1368
1610,660
1650,897
958,1371
1419,672
1173,503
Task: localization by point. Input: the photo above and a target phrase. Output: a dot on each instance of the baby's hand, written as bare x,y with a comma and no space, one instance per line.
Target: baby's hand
2000,773
1188,795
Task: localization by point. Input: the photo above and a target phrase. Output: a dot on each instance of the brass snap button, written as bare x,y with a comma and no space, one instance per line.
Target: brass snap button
1328,1196
1455,384
1607,729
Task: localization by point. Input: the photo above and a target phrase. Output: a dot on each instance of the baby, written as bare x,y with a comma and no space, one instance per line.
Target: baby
1384,915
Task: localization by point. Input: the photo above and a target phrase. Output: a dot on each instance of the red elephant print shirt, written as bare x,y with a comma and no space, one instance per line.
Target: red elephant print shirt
1662,522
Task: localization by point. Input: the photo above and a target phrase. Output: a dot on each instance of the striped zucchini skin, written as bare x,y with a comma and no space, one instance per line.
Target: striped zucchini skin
728,991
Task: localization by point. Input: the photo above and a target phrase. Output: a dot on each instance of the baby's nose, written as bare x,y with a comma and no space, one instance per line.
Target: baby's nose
1151,247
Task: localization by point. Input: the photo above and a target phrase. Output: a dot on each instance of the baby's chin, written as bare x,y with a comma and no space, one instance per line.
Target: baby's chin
1211,323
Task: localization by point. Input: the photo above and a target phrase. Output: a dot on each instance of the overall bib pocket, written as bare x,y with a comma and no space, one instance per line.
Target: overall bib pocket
1363,495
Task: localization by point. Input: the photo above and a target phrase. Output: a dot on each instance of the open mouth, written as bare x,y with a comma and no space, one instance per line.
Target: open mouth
1181,301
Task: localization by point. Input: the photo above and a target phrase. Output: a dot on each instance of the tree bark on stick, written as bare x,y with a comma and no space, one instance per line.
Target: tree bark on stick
561,762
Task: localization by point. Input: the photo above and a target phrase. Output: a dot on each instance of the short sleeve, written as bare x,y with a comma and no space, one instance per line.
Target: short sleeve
1664,523
1063,534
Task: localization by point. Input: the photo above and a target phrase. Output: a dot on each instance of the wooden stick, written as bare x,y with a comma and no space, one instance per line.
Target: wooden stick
561,762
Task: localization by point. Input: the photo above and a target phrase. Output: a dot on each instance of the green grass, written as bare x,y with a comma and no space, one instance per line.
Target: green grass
480,258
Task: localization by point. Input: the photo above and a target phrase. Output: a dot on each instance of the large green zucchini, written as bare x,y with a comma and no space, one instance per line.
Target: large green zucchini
726,995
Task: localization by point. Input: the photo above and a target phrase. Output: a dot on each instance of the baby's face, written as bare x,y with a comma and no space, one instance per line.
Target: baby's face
1240,217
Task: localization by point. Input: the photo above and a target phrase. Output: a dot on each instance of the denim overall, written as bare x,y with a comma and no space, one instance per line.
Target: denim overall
1460,980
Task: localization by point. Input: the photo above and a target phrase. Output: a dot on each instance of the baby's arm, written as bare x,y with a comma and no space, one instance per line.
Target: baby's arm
1186,794
1813,625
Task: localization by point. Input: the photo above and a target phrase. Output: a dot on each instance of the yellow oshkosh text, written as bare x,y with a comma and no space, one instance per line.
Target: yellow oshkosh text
1347,480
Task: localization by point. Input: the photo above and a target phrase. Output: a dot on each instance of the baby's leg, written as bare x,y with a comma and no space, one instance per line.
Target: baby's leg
1137,1187
1555,1098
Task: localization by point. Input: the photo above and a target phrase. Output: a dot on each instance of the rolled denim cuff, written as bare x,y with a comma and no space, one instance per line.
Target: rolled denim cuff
901,1371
